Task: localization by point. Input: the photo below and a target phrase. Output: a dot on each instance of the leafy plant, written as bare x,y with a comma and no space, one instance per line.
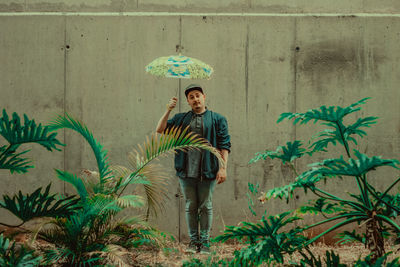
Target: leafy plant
377,210
95,234
331,260
38,204
267,242
11,256
17,134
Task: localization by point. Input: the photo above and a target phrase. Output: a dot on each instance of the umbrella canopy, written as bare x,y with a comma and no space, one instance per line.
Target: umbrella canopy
179,67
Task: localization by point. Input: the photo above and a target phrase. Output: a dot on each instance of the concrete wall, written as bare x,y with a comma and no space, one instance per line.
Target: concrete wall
287,57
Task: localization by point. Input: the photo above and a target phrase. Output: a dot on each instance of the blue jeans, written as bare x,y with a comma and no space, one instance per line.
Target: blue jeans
198,208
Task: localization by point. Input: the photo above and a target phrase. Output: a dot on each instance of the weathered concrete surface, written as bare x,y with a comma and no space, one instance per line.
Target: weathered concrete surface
252,6
32,82
93,68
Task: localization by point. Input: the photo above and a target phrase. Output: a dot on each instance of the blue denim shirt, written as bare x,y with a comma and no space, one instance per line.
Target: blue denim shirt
215,130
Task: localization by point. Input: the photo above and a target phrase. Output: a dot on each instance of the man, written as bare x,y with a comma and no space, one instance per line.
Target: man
199,171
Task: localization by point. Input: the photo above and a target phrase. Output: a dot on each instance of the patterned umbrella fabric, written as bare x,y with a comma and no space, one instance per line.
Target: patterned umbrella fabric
179,67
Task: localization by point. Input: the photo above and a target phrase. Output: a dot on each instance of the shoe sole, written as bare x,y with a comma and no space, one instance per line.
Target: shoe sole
192,251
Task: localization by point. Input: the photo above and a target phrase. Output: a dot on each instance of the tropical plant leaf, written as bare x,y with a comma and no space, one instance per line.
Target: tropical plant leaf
350,237
332,117
101,155
74,181
329,114
320,205
288,153
154,181
267,241
11,256
354,167
112,254
39,204
9,160
16,133
130,201
255,230
174,138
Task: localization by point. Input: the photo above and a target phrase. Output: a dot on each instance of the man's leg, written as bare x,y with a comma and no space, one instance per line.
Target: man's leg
205,193
189,191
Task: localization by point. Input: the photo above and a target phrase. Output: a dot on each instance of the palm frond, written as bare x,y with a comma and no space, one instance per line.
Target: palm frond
154,181
288,153
175,138
74,181
111,254
16,133
39,204
160,144
101,154
129,201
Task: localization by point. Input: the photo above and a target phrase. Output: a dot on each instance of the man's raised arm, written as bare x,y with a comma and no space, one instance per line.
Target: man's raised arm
162,123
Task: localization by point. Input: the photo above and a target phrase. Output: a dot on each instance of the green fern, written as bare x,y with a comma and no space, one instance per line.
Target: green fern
39,204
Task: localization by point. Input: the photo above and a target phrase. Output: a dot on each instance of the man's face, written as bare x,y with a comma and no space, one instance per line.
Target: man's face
196,100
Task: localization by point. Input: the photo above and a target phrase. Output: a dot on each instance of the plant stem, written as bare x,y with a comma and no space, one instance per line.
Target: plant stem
293,168
387,190
346,145
335,198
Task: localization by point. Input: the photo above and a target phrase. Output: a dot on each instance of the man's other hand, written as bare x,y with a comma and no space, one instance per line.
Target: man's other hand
221,176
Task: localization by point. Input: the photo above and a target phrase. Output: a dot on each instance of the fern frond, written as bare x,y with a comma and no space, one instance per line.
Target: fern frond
101,154
16,133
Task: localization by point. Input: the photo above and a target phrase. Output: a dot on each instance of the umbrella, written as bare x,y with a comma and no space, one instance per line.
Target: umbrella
179,67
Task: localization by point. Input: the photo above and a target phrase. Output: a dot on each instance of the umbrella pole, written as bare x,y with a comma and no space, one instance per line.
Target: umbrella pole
177,94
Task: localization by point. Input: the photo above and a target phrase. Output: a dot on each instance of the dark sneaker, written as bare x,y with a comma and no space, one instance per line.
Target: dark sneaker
205,249
191,248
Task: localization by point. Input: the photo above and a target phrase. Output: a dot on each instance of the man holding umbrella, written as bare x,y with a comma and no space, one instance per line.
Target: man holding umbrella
199,171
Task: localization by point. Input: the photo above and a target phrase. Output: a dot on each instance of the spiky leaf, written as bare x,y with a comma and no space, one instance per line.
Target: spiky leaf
39,204
28,132
288,153
101,155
